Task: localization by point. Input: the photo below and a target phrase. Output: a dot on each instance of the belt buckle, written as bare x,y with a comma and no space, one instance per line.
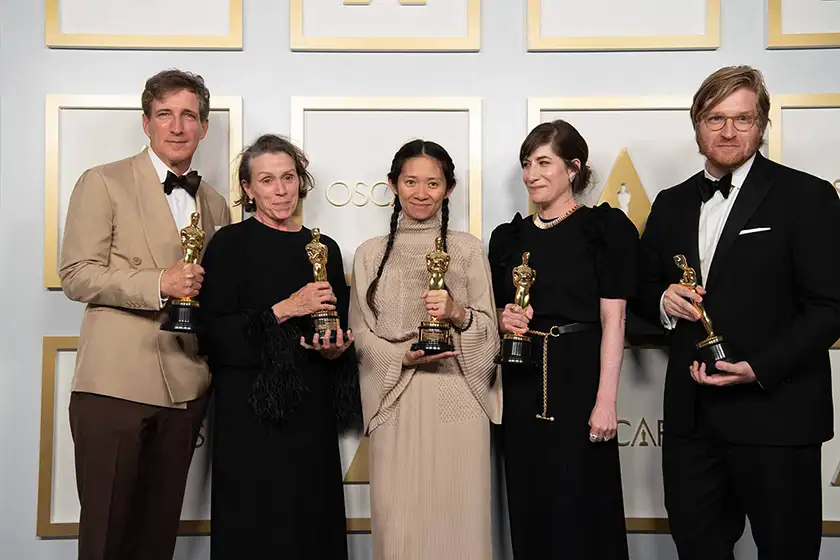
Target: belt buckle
554,331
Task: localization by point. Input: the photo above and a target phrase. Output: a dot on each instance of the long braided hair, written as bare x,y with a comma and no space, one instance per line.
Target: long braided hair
413,149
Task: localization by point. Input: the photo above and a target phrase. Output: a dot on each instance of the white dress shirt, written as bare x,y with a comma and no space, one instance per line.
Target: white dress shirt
181,204
713,216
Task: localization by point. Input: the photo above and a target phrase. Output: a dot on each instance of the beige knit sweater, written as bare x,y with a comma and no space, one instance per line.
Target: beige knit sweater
429,425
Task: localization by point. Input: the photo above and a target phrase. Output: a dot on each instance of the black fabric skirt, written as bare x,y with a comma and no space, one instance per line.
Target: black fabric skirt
277,489
564,491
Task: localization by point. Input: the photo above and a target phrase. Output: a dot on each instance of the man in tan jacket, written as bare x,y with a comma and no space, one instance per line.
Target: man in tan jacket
139,393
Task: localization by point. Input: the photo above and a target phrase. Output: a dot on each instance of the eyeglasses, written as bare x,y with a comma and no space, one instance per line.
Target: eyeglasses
741,123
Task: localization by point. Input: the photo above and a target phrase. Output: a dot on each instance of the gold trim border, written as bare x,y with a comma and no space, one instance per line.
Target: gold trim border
470,105
55,103
780,102
51,346
56,39
777,39
471,42
708,41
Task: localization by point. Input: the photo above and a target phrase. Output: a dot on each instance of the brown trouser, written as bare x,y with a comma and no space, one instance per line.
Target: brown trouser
132,461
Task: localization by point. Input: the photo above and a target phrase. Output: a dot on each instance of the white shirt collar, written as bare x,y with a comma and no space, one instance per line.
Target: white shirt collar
161,168
738,176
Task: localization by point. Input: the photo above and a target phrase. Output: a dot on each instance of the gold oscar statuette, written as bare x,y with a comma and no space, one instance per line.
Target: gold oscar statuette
435,335
317,253
712,348
183,312
516,348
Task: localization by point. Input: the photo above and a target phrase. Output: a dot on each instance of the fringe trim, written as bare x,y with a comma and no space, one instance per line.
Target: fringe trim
279,387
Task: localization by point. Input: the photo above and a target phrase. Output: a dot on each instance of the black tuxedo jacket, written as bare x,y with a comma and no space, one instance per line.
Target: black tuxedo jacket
774,295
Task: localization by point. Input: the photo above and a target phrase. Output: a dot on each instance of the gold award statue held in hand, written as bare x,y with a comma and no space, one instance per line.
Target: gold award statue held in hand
183,311
435,335
516,348
712,348
317,253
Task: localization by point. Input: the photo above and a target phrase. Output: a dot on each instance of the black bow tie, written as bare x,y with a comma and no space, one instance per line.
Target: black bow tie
708,187
188,182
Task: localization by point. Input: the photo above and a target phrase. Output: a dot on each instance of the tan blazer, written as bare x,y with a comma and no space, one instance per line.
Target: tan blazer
119,236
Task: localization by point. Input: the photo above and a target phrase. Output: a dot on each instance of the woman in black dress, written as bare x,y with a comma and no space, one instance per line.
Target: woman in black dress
559,424
280,399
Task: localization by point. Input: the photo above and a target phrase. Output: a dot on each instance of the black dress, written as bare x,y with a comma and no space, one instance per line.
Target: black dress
564,492
277,482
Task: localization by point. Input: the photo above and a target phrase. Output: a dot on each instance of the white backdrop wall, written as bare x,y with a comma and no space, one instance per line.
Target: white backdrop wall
267,75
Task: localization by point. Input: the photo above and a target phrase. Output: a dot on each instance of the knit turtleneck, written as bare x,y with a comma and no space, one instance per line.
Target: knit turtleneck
409,224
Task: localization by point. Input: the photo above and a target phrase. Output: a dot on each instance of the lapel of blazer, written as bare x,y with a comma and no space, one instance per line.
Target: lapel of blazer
205,220
688,217
755,188
161,232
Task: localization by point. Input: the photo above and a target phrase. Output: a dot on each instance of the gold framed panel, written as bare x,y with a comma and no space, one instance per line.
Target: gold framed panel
780,102
470,105
56,39
471,42
55,103
778,39
708,41
537,105
52,345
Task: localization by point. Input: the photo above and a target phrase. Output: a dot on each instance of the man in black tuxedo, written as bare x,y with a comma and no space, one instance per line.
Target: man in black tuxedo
744,439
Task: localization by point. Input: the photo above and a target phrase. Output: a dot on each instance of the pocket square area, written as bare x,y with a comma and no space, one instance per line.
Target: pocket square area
754,230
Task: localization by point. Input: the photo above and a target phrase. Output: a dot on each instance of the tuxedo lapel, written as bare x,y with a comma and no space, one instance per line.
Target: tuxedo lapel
161,232
688,216
755,188
205,221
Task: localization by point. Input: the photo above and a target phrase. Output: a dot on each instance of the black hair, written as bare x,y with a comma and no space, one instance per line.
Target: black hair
413,149
566,143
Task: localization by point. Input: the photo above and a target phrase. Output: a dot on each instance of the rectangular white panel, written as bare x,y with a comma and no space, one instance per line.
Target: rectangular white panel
88,137
385,18
640,432
811,141
145,17
810,16
660,143
622,18
65,506
352,150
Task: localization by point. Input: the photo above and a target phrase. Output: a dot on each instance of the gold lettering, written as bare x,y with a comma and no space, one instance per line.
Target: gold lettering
360,194
660,430
389,195
357,192
618,432
333,201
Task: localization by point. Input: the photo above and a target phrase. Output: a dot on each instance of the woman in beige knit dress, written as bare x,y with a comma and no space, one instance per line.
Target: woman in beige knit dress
428,417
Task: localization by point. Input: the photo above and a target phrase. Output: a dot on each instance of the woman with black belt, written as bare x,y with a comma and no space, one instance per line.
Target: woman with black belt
561,454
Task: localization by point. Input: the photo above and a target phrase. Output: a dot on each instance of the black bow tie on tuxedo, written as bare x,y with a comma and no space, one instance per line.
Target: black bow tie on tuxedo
708,187
188,182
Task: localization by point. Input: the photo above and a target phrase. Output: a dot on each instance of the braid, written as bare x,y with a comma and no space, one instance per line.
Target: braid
444,221
390,245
